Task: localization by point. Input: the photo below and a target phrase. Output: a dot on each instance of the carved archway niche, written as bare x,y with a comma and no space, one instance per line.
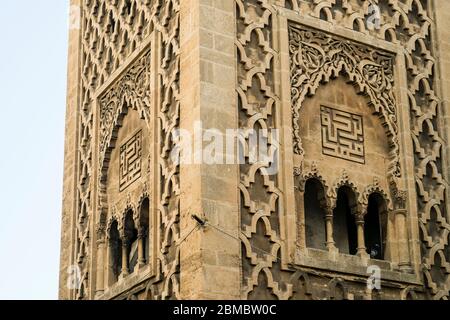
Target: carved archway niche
125,138
351,87
125,162
345,133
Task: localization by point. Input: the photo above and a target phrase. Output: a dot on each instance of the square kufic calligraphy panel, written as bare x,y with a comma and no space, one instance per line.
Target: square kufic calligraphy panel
130,161
342,135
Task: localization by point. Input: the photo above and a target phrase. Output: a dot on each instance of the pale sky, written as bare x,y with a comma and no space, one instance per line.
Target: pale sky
33,55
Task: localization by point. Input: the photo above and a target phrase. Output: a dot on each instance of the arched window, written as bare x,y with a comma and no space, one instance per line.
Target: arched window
315,227
375,226
144,232
131,242
344,224
115,253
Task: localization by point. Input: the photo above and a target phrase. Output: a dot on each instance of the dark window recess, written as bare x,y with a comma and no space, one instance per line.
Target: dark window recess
373,227
145,223
115,246
315,215
132,241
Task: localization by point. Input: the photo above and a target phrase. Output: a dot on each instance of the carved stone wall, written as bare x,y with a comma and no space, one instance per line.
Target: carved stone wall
359,103
111,33
317,57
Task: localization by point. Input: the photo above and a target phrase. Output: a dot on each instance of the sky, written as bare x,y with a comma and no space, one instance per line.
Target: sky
33,63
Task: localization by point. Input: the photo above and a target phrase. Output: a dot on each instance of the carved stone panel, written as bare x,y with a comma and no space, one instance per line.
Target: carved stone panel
130,161
342,134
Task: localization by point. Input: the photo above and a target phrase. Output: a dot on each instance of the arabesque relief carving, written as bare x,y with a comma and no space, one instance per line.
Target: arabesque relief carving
110,33
133,90
304,45
317,57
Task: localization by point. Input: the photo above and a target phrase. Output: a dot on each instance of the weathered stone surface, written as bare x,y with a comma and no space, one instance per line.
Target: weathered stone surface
359,92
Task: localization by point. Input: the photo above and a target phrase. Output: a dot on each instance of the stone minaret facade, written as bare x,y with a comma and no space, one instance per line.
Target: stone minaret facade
353,200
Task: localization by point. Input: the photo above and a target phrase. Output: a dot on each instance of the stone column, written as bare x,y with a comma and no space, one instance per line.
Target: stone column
109,265
402,238
101,248
301,225
361,250
142,235
329,229
210,256
125,245
391,249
